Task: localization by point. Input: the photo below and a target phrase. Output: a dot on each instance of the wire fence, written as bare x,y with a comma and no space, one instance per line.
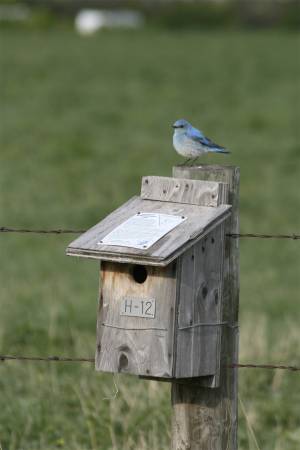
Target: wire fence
37,231
92,360
292,236
58,231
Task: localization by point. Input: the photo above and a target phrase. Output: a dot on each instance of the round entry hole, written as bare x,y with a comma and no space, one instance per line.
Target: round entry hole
139,273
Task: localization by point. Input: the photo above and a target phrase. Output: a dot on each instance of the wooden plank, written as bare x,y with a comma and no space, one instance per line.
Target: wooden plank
200,219
136,345
177,190
200,299
206,418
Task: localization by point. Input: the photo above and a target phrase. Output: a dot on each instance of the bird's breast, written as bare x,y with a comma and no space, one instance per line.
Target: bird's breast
186,146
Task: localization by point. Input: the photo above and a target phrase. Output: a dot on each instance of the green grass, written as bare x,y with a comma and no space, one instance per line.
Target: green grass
81,121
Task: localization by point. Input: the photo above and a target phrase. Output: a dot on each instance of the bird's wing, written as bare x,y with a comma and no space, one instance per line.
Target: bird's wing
195,134
199,137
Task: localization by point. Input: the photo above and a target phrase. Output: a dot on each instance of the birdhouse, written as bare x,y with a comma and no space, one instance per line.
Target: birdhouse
161,280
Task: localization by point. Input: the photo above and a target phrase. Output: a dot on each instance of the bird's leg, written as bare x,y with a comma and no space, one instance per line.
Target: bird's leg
184,162
193,160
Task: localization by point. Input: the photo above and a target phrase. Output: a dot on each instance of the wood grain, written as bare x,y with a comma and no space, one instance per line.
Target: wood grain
200,307
206,418
136,345
177,190
185,347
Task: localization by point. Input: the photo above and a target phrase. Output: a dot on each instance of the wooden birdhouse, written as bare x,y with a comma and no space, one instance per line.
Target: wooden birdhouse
161,280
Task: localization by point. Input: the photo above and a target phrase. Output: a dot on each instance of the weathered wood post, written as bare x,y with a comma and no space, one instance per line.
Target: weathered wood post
205,418
168,303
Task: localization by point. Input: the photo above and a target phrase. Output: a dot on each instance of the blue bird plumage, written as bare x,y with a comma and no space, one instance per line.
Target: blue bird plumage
191,142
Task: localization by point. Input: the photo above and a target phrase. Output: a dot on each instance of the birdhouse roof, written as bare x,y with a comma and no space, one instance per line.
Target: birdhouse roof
169,217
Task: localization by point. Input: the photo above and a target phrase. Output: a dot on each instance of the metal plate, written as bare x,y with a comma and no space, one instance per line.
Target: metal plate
142,230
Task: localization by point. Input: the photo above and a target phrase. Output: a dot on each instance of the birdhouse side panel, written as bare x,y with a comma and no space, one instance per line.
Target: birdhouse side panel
135,323
200,307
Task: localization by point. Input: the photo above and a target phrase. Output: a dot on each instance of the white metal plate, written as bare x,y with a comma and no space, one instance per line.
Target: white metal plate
138,307
142,230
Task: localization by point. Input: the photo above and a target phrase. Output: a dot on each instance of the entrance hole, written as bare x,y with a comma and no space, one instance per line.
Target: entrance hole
139,273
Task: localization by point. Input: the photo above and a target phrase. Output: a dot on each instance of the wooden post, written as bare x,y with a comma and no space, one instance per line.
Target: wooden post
205,418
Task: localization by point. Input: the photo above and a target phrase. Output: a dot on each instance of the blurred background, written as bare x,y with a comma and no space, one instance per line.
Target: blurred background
89,90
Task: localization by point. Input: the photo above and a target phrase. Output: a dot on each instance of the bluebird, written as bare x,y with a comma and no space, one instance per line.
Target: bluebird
191,143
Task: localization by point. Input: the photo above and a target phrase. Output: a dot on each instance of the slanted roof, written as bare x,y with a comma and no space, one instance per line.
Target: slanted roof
199,220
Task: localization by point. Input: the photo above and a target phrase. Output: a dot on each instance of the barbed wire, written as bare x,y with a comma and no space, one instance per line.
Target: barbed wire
264,366
45,358
37,231
292,236
92,360
264,236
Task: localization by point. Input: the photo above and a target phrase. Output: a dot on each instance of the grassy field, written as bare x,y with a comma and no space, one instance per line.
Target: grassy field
81,121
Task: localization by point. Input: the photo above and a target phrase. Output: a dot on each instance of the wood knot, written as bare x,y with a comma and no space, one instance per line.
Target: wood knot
216,297
123,361
204,291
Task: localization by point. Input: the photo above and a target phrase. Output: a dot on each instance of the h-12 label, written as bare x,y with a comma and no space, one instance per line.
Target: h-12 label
138,307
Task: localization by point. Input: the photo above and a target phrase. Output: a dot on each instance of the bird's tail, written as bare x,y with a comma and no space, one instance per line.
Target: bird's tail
221,150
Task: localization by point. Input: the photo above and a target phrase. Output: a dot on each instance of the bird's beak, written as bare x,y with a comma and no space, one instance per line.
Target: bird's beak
174,126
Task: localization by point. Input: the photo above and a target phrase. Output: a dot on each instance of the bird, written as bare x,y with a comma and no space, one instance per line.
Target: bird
191,142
